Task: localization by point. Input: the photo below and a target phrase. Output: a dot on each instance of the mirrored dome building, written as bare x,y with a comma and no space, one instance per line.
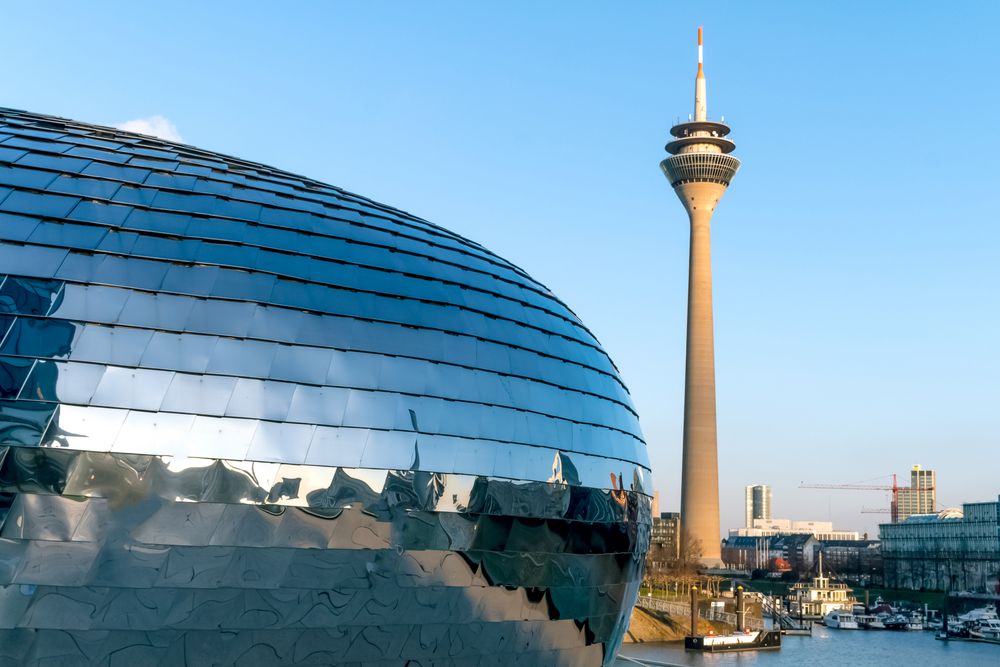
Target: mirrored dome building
247,418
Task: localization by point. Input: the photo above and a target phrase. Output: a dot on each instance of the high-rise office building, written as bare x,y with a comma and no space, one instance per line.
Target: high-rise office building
699,169
920,497
758,503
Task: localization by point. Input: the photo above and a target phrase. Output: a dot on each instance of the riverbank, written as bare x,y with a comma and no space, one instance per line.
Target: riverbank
649,626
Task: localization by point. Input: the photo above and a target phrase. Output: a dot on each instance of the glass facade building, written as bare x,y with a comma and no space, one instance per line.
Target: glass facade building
949,551
247,418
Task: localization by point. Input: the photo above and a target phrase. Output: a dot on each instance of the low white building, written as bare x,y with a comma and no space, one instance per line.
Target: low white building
821,530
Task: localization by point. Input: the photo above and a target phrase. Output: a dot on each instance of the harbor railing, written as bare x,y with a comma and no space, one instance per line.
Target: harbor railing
683,610
772,607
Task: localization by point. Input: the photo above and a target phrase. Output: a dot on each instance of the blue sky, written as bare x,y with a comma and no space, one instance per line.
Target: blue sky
856,256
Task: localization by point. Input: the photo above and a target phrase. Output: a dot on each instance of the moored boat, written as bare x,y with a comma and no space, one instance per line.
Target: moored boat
988,628
839,618
987,613
870,621
896,622
739,641
904,621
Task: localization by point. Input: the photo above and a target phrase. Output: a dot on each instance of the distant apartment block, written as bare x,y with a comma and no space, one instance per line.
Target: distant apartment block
853,557
664,542
765,552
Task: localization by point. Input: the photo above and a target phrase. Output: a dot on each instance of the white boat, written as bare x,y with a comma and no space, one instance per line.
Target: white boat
988,628
987,613
839,618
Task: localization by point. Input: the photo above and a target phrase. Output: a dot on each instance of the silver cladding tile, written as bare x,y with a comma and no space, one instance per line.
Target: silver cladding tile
247,418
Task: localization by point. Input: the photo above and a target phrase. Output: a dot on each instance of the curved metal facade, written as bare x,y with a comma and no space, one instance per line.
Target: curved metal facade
252,419
699,167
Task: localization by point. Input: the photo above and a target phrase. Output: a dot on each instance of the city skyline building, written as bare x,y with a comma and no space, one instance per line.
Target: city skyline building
758,503
700,169
920,497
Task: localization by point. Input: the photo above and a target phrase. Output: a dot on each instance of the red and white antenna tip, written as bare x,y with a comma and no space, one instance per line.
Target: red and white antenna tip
699,35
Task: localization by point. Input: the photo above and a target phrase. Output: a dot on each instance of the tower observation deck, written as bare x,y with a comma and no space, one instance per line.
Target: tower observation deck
699,169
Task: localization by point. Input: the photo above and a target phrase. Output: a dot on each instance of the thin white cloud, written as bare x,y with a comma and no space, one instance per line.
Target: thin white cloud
156,126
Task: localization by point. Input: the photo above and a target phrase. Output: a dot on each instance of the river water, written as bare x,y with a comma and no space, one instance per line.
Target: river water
831,647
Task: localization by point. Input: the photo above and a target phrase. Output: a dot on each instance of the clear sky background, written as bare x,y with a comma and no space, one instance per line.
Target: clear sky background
856,255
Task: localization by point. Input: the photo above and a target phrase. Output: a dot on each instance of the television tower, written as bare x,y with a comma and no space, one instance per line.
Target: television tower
699,169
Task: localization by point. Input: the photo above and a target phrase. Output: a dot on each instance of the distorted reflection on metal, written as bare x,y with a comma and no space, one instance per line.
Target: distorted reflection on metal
248,418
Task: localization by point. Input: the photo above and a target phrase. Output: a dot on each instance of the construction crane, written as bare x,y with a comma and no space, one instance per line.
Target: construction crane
893,505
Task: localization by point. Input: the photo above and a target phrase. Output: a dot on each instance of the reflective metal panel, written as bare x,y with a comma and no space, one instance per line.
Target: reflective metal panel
248,418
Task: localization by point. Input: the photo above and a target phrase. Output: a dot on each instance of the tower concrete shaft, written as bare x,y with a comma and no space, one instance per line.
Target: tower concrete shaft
700,169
